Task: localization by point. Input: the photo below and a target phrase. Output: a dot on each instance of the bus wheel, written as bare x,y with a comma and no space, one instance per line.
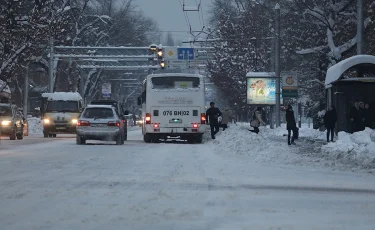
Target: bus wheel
147,138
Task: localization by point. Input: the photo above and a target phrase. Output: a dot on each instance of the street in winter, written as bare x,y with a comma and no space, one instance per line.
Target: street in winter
187,114
238,181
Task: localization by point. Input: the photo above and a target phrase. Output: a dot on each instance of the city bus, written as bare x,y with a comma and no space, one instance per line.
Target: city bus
173,107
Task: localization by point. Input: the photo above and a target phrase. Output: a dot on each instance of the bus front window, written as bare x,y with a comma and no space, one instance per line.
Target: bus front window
175,82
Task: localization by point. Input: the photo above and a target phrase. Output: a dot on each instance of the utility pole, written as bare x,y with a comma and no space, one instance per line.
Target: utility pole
277,64
360,27
51,53
26,91
50,66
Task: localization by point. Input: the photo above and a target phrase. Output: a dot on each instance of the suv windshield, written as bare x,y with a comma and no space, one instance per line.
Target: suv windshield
5,111
175,82
98,113
62,106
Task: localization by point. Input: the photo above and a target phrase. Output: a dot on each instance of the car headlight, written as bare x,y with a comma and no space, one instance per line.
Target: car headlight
46,121
74,121
5,123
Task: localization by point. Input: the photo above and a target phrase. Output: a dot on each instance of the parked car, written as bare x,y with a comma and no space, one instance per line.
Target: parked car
100,122
12,122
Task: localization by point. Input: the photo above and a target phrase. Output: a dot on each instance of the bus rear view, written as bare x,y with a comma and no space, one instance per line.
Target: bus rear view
173,107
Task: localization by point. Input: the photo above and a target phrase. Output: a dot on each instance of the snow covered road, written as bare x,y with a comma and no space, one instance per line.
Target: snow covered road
59,185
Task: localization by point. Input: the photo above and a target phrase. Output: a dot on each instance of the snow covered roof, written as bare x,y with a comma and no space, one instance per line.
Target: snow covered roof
63,96
334,72
260,74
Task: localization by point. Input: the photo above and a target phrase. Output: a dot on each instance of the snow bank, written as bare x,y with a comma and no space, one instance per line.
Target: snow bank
270,146
35,126
63,96
356,149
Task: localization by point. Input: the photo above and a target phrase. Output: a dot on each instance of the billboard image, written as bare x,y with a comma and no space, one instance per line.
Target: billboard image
261,91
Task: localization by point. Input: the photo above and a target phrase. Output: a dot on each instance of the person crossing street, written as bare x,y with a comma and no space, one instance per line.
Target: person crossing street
212,116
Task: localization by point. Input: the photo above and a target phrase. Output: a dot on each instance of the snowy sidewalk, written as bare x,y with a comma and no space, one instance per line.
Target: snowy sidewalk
270,146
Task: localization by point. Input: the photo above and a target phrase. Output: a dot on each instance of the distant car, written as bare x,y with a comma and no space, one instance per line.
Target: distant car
11,121
100,122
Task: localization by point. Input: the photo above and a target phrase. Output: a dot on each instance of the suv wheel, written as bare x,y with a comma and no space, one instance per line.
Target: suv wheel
20,135
80,140
126,135
12,135
119,140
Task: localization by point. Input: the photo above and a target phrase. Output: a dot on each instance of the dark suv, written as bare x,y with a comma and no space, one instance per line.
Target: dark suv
119,109
11,122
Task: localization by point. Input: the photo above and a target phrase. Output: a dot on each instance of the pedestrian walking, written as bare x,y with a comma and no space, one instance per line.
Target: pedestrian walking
330,119
362,116
212,116
290,124
355,117
368,118
257,120
225,118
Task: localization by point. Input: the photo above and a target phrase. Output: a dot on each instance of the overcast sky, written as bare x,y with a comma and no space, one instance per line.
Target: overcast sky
170,16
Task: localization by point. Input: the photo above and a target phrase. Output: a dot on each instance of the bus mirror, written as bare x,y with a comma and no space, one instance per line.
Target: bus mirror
139,100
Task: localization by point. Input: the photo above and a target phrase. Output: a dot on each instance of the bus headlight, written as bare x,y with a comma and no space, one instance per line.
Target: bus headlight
46,121
5,123
74,121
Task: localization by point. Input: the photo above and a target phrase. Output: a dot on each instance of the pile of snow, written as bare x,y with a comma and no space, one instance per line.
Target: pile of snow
35,126
357,149
63,96
270,146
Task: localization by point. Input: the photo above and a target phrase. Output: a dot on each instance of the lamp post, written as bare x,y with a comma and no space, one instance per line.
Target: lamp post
277,64
360,27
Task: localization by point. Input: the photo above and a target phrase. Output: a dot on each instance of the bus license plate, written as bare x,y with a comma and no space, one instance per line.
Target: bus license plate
176,113
175,121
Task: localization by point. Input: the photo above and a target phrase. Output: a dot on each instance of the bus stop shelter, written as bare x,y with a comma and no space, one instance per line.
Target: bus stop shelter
351,80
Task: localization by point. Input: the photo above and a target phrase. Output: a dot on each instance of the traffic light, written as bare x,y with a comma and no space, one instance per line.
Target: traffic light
160,53
162,64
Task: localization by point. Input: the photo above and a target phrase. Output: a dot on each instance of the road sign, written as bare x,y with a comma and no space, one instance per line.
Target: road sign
170,53
289,84
185,53
106,90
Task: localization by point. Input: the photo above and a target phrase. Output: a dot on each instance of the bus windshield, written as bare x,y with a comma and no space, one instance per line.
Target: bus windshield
175,82
62,106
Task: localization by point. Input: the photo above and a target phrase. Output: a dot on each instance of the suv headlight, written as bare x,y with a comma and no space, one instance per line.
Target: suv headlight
46,121
5,123
74,121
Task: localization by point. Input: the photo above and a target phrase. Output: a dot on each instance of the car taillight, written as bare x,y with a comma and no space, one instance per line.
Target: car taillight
148,118
112,123
83,123
195,125
203,118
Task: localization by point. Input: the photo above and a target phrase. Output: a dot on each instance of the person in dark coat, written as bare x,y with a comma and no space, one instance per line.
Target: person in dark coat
355,118
212,116
362,116
368,120
330,119
290,124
